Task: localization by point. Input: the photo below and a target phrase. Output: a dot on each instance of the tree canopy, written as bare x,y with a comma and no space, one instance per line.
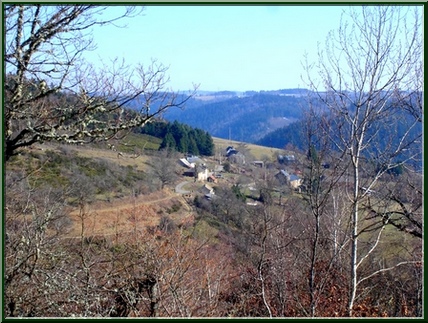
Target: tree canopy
52,94
181,137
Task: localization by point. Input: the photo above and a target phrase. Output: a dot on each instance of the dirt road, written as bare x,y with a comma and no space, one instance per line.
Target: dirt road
104,218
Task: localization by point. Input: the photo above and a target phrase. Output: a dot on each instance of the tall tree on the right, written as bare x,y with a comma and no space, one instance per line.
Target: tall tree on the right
369,75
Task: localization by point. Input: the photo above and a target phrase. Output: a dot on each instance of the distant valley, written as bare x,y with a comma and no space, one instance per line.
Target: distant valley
272,119
243,116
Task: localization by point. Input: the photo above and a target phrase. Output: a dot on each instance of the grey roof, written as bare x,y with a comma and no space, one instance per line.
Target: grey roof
285,173
294,178
194,159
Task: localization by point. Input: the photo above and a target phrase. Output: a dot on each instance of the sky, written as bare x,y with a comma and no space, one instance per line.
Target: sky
234,48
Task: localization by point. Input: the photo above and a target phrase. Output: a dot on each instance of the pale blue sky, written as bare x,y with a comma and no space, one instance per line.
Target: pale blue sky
235,48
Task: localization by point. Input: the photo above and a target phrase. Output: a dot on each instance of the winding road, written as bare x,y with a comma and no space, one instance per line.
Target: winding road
179,188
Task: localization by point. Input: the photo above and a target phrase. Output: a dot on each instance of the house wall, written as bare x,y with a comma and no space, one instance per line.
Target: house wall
203,176
296,183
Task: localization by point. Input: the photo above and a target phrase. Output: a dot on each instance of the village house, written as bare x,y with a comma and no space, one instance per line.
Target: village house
287,159
199,173
230,151
234,156
282,177
194,160
259,163
195,168
186,163
295,181
285,178
208,191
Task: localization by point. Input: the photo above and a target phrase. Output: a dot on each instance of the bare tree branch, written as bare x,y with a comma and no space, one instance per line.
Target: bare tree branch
52,94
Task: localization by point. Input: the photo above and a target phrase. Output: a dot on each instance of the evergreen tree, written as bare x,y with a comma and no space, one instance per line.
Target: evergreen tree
193,147
168,142
209,145
177,130
183,143
157,129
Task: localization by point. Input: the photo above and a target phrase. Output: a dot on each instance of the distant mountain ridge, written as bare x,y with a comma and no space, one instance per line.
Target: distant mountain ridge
243,116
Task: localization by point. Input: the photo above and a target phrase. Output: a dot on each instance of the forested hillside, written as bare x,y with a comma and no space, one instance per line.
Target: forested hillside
245,118
400,124
292,134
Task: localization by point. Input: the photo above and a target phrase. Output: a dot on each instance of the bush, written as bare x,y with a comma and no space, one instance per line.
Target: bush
166,224
226,167
174,208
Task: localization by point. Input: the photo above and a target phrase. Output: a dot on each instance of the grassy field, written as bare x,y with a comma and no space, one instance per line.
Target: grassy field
257,151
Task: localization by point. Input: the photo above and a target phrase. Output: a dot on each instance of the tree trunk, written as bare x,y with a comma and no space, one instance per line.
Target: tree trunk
354,237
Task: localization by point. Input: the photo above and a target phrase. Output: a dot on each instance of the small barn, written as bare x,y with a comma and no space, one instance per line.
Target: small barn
259,163
208,191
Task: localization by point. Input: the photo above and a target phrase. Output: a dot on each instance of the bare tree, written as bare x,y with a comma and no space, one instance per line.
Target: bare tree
165,167
34,269
368,71
322,175
52,94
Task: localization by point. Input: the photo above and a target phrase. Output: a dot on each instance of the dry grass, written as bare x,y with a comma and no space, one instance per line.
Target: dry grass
122,159
121,215
129,214
257,151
